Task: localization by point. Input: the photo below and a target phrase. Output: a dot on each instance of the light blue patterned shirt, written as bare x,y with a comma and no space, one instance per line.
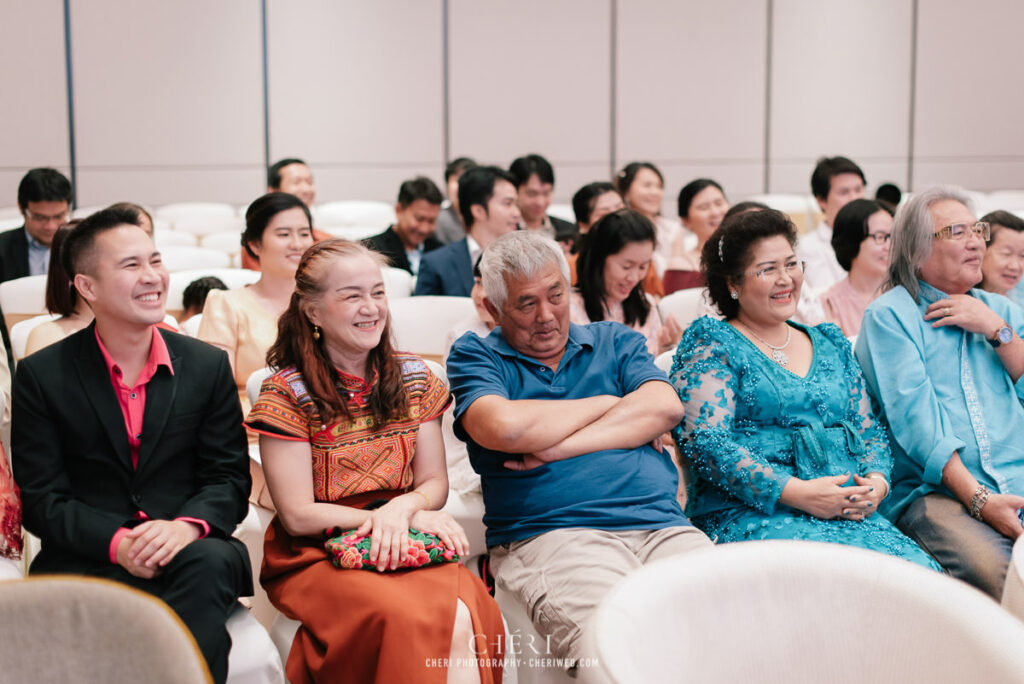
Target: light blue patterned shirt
942,390
38,256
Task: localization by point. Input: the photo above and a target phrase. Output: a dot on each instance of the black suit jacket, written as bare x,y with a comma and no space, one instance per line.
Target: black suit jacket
446,271
390,245
70,449
13,254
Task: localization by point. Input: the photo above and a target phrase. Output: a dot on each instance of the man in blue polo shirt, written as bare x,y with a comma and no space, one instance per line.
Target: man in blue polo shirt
563,423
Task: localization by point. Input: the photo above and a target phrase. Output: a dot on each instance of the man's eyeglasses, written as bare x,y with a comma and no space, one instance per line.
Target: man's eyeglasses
961,231
771,272
42,218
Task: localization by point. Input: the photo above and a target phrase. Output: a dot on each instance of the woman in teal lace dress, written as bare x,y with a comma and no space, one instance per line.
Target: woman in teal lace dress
778,428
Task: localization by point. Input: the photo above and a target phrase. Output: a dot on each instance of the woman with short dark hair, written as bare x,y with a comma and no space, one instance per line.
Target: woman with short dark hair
778,427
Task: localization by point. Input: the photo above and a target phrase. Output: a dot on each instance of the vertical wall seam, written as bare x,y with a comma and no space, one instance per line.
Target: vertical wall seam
266,87
913,94
445,86
613,86
69,81
768,97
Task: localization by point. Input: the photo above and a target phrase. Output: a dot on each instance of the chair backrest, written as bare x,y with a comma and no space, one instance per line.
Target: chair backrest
255,382
76,629
179,280
397,282
173,238
22,329
190,258
664,360
805,612
562,211
353,233
686,305
421,324
23,298
354,213
189,210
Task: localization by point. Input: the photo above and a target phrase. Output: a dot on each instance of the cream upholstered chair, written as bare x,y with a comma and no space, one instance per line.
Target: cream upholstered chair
173,238
354,213
803,210
421,324
1013,590
22,329
686,305
352,233
191,258
190,210
398,282
799,612
65,629
23,298
179,280
228,242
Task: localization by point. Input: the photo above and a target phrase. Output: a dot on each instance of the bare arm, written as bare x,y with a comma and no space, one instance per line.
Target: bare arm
531,425
1000,512
636,419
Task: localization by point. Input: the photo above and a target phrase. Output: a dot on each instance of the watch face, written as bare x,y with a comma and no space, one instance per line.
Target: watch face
1005,335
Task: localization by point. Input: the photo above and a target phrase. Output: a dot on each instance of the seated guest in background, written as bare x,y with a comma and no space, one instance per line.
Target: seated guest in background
702,207
145,219
611,267
293,177
535,181
591,203
487,200
193,300
860,239
11,541
449,221
44,199
889,196
778,427
243,321
351,438
835,181
943,362
128,445
1003,264
61,299
481,323
412,234
643,189
563,422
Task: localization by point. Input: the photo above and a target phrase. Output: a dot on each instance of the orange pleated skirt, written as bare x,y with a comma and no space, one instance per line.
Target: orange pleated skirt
365,626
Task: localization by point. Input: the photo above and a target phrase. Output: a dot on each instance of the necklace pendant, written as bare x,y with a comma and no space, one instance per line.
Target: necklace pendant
780,357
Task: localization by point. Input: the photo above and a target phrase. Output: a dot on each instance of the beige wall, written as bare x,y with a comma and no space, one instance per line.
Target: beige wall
168,96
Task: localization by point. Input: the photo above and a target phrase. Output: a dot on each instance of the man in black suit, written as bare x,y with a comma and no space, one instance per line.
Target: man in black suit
535,183
412,235
487,201
44,199
128,443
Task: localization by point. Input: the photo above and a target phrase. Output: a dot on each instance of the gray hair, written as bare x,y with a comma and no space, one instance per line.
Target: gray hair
519,254
912,234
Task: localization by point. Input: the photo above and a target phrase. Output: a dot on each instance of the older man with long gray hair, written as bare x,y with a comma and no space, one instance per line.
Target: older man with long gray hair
944,361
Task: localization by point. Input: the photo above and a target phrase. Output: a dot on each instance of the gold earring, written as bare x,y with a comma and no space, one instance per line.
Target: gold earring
316,332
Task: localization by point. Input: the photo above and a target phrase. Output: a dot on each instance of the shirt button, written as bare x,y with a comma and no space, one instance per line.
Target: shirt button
138,436
132,395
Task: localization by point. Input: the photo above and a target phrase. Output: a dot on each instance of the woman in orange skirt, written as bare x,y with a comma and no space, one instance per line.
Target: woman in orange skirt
350,439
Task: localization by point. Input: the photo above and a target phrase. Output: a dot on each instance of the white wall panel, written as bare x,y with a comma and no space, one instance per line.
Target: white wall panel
840,84
167,90
35,123
532,76
356,89
691,91
969,96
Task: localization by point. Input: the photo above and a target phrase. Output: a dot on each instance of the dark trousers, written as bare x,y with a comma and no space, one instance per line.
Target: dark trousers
967,548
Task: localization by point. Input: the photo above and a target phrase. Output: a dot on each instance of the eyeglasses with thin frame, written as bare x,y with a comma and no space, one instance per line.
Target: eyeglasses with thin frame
42,218
960,231
880,238
771,271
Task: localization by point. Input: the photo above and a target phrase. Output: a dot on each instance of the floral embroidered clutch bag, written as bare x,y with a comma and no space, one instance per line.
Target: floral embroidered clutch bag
348,550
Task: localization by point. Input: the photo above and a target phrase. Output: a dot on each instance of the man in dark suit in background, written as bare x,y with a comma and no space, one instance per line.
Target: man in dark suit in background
412,235
44,199
535,182
128,443
487,201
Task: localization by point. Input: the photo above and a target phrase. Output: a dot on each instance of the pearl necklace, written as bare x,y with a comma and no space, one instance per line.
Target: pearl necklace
777,355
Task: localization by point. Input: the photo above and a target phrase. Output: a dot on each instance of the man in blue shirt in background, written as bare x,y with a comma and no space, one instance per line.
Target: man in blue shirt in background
563,423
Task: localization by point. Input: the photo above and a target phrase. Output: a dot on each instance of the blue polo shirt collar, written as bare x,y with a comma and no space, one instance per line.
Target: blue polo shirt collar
579,338
931,294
